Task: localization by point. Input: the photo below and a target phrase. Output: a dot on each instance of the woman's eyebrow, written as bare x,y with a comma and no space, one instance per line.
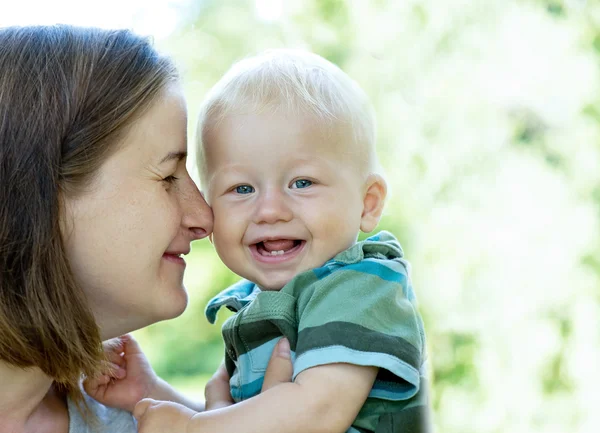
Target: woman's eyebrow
173,155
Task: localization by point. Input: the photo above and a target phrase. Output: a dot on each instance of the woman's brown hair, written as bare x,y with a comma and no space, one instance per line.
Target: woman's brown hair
67,97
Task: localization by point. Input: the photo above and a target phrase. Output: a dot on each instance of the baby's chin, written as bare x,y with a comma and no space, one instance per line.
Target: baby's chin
274,285
279,282
271,287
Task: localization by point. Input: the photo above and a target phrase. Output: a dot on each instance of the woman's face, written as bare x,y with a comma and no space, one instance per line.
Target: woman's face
125,236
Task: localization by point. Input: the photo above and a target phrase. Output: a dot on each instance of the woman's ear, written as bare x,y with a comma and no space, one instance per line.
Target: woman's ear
373,202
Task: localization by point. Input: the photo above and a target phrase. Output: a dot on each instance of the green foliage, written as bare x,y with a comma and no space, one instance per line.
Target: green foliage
489,131
453,359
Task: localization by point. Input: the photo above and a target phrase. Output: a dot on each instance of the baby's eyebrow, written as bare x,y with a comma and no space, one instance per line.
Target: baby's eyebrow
173,155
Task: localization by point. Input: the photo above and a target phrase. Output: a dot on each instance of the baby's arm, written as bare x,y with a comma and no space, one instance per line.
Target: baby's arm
323,399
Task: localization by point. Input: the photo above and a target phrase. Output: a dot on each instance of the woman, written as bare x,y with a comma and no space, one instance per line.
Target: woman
97,210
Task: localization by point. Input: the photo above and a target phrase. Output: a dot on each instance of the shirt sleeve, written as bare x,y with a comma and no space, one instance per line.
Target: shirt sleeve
364,314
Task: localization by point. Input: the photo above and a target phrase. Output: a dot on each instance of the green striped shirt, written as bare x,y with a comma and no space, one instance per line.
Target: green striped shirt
358,308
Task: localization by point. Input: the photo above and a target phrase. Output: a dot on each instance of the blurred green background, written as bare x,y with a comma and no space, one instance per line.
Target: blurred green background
489,130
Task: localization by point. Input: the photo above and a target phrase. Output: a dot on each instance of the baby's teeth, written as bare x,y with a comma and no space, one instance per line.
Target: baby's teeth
277,253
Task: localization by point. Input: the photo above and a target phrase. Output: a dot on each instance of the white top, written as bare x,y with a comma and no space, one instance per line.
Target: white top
108,420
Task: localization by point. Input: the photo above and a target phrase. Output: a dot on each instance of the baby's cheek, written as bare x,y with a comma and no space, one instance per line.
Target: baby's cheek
337,234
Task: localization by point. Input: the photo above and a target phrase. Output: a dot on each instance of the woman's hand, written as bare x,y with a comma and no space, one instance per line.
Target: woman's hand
216,392
280,368
279,371
128,378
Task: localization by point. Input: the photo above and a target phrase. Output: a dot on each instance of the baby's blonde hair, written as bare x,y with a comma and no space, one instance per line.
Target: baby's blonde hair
296,82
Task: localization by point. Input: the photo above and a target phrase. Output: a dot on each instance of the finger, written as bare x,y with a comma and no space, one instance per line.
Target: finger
101,379
217,389
280,368
221,373
115,358
94,386
130,345
140,409
114,345
116,371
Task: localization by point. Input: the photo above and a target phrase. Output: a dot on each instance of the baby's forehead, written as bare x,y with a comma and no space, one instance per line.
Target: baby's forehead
320,136
332,140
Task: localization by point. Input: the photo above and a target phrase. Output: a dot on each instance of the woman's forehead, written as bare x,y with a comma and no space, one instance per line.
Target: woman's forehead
161,132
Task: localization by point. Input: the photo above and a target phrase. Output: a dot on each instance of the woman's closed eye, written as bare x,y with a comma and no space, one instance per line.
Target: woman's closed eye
170,179
301,183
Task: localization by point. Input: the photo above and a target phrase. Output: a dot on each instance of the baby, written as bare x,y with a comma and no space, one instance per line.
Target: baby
286,152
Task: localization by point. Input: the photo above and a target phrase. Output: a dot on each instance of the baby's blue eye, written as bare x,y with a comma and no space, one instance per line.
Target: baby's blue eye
302,183
244,189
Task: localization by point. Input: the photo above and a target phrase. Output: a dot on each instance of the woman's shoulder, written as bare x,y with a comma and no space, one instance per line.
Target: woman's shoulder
104,419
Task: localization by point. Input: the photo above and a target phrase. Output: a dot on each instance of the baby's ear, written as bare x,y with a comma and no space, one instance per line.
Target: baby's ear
373,202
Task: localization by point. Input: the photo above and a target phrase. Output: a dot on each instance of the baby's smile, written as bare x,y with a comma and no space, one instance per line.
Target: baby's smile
276,250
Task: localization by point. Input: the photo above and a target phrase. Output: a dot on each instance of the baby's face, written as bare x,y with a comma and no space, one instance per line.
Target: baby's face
283,196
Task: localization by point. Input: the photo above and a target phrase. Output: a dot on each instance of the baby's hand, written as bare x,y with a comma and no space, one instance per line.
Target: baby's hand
128,377
162,416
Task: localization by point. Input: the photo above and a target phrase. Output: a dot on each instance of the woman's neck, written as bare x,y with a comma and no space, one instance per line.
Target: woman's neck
28,402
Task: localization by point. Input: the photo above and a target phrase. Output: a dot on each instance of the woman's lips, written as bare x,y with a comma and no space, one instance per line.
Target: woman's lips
174,258
260,254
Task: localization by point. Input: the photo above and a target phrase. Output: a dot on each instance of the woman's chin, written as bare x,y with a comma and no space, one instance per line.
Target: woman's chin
138,316
171,306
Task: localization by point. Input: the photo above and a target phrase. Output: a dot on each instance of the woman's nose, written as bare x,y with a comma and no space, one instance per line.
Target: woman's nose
197,215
